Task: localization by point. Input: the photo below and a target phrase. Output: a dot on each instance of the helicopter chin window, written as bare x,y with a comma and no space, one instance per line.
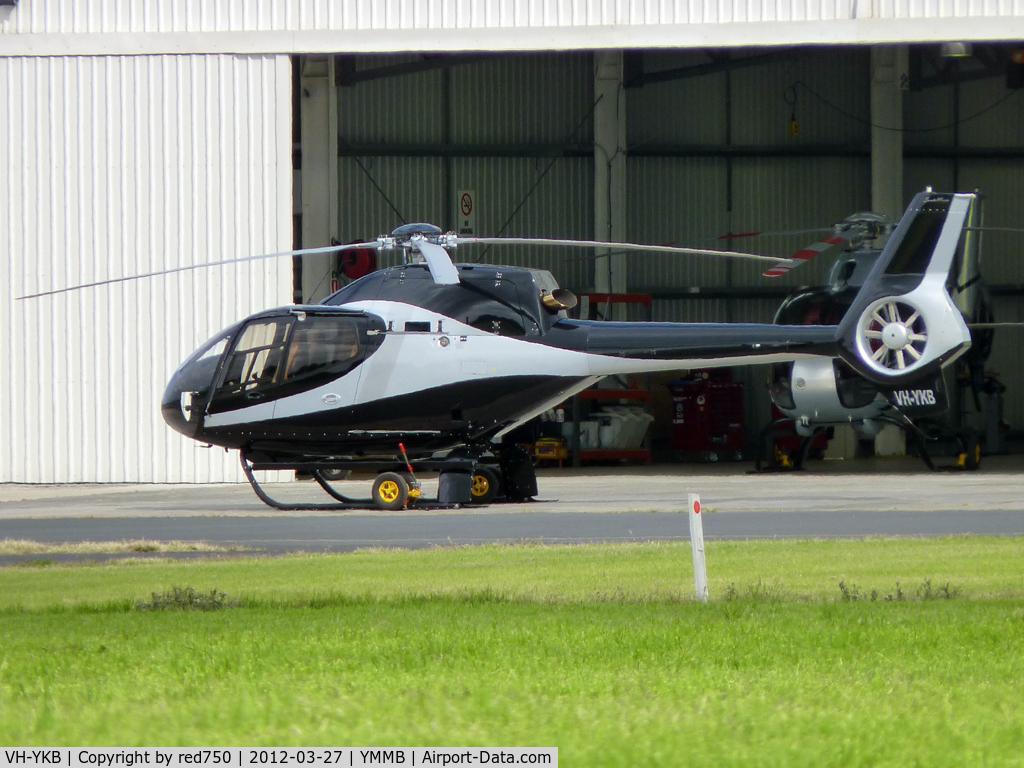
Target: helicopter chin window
854,390
781,385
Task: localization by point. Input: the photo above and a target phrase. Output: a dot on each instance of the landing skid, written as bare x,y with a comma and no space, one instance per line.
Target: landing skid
967,441
346,503
779,461
393,493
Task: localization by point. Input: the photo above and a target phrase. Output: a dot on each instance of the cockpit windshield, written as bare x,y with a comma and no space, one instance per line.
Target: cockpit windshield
213,347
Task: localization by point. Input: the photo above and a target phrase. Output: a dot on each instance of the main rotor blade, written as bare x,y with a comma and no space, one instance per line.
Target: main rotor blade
806,254
739,235
438,261
190,267
611,245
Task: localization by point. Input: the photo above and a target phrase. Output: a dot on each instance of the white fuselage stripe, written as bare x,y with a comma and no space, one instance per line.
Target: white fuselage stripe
458,354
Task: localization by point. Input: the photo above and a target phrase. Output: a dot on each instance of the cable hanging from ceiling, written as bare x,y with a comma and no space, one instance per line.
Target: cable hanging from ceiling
789,96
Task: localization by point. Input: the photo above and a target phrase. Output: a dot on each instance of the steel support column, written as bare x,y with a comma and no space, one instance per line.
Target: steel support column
888,81
609,168
319,142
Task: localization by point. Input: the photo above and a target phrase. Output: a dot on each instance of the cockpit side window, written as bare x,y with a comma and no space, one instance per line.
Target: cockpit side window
319,344
280,356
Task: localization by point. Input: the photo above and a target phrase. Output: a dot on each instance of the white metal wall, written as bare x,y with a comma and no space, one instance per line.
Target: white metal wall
62,27
116,166
97,16
60,16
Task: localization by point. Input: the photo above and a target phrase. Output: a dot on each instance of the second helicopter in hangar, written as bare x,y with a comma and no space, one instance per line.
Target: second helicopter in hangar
816,394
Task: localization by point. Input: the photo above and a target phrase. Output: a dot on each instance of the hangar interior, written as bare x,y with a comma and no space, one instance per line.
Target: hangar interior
670,146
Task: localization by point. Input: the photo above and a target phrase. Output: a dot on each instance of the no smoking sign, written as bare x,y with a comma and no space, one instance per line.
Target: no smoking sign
466,208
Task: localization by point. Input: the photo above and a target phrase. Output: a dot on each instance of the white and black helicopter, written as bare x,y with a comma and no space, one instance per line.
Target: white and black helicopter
433,356
816,394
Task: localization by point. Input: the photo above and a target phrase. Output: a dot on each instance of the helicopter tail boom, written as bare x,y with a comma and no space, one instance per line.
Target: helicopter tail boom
623,347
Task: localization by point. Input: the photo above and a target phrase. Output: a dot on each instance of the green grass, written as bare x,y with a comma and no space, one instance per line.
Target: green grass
798,570
599,651
26,547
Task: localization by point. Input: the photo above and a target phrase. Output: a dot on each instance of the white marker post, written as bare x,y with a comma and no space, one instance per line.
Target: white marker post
700,571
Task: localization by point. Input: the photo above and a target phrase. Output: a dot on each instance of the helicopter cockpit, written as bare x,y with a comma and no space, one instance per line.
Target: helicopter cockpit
268,357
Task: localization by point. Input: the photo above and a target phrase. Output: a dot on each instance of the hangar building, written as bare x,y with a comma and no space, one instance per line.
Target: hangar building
144,135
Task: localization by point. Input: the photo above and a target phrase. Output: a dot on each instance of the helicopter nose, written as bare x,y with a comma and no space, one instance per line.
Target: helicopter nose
177,419
184,402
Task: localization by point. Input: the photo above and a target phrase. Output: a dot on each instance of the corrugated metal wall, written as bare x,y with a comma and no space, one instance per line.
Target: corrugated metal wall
119,166
93,16
500,132
515,104
714,154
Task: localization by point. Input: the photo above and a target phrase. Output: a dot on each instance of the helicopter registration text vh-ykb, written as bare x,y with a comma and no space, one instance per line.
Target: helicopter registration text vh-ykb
421,358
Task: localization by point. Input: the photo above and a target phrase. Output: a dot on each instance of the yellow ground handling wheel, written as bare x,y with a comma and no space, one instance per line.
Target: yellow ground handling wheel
390,491
485,485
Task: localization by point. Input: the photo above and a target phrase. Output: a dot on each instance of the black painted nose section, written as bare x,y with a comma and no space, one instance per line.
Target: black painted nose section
184,402
185,398
174,417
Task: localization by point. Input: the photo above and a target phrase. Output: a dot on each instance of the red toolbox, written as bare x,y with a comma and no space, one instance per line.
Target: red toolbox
708,414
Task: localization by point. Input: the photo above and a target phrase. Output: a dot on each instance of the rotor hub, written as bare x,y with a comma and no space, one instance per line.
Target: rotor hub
895,336
408,231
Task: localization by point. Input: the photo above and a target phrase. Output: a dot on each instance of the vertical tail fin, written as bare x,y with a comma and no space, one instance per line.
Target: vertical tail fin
904,323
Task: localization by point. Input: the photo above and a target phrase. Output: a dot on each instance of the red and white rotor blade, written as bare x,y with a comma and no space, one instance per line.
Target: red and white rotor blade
780,233
808,253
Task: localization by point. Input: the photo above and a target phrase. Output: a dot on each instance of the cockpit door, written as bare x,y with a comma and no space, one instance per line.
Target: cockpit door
277,357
